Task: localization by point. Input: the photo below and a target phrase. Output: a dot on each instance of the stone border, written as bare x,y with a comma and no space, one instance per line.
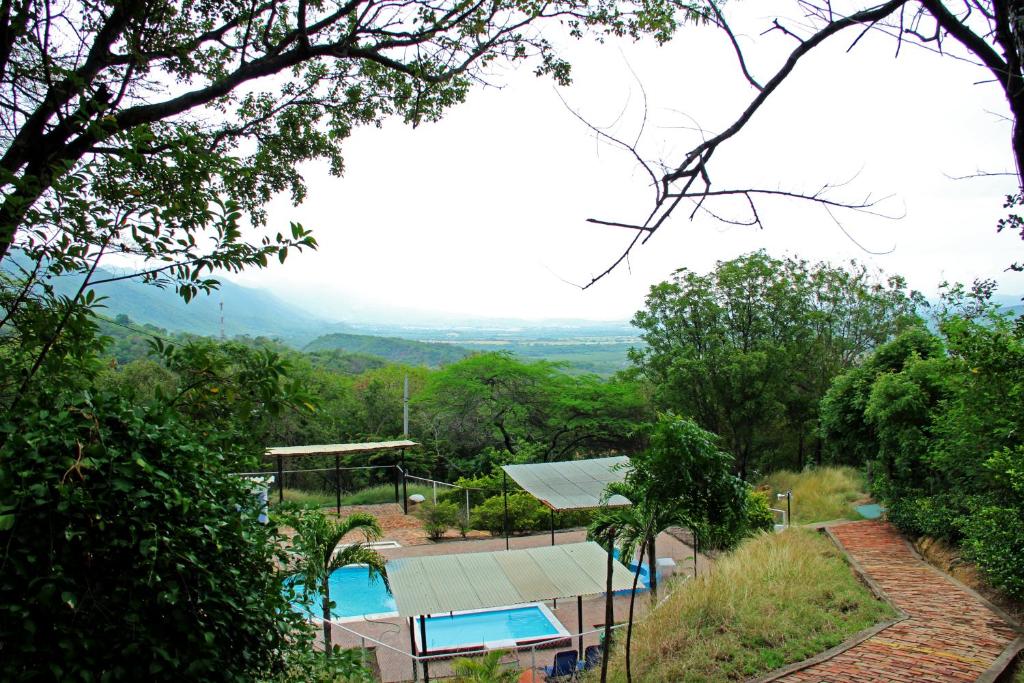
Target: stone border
855,639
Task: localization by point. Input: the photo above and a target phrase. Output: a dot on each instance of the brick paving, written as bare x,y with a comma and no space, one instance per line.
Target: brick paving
950,634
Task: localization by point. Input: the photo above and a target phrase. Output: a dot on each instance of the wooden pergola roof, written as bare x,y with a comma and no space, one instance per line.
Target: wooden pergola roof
338,448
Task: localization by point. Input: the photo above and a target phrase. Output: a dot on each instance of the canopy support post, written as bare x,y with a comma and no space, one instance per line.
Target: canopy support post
412,648
337,481
397,475
504,489
579,614
405,489
424,650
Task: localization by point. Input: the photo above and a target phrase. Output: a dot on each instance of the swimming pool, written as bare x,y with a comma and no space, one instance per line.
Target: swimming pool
645,576
356,596
491,628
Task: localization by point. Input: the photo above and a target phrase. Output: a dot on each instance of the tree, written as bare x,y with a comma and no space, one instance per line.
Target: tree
749,349
144,128
492,400
316,543
986,33
681,479
130,551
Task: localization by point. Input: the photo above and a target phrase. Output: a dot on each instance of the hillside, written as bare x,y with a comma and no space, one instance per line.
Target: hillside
247,311
391,348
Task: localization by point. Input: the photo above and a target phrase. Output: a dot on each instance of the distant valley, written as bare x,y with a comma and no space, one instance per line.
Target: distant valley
238,311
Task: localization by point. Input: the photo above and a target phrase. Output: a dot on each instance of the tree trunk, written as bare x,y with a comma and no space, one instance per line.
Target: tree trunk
609,612
327,620
652,565
632,602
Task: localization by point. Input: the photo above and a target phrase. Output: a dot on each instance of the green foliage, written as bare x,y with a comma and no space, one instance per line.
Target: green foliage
438,517
306,665
939,516
750,349
484,669
937,419
525,513
491,402
758,512
160,567
994,539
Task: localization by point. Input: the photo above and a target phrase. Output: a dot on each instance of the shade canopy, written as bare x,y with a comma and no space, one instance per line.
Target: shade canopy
573,484
339,448
449,583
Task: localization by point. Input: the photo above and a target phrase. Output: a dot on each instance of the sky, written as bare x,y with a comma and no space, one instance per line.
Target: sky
483,214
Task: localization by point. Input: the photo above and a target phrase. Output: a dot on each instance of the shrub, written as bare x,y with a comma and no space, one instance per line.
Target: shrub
757,517
995,541
941,516
160,568
438,517
525,513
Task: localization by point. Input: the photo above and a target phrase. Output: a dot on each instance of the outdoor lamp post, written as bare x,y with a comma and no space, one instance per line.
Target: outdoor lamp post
788,495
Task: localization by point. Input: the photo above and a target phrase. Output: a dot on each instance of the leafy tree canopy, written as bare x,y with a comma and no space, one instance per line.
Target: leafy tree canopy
750,348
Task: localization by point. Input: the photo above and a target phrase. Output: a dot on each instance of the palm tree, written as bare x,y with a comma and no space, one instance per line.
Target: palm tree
316,544
486,669
634,529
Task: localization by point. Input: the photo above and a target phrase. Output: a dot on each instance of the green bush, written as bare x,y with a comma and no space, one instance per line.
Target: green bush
757,517
758,512
438,517
130,551
995,542
525,513
941,516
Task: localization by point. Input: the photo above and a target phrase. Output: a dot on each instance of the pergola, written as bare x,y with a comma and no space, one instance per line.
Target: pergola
441,584
567,485
338,450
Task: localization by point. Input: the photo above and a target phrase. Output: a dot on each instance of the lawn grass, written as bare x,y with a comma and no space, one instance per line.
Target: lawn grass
820,494
385,493
777,599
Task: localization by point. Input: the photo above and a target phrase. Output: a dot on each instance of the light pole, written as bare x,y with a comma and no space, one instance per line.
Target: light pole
788,495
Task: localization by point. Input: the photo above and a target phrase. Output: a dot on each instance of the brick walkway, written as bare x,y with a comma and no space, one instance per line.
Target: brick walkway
950,635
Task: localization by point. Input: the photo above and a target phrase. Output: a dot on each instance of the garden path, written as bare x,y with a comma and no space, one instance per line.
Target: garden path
950,633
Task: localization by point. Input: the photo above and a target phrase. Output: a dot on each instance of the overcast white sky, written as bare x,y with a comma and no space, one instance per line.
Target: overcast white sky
484,213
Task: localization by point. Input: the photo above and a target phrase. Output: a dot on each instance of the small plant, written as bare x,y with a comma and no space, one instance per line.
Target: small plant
438,518
485,669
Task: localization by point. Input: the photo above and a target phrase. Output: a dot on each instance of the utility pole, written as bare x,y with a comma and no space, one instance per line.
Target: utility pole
405,409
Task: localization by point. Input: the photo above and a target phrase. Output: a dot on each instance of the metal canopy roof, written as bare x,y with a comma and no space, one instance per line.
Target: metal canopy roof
573,484
449,583
339,448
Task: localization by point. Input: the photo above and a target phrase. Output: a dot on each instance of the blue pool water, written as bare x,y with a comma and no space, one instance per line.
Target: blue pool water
645,576
461,630
353,592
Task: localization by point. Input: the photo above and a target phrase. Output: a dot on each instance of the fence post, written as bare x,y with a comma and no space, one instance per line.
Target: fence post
405,494
280,479
337,481
397,470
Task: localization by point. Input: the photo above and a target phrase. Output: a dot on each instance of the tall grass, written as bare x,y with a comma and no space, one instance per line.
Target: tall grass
777,599
375,495
820,494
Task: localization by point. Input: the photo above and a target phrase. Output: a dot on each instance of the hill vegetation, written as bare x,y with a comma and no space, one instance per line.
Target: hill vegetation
393,349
